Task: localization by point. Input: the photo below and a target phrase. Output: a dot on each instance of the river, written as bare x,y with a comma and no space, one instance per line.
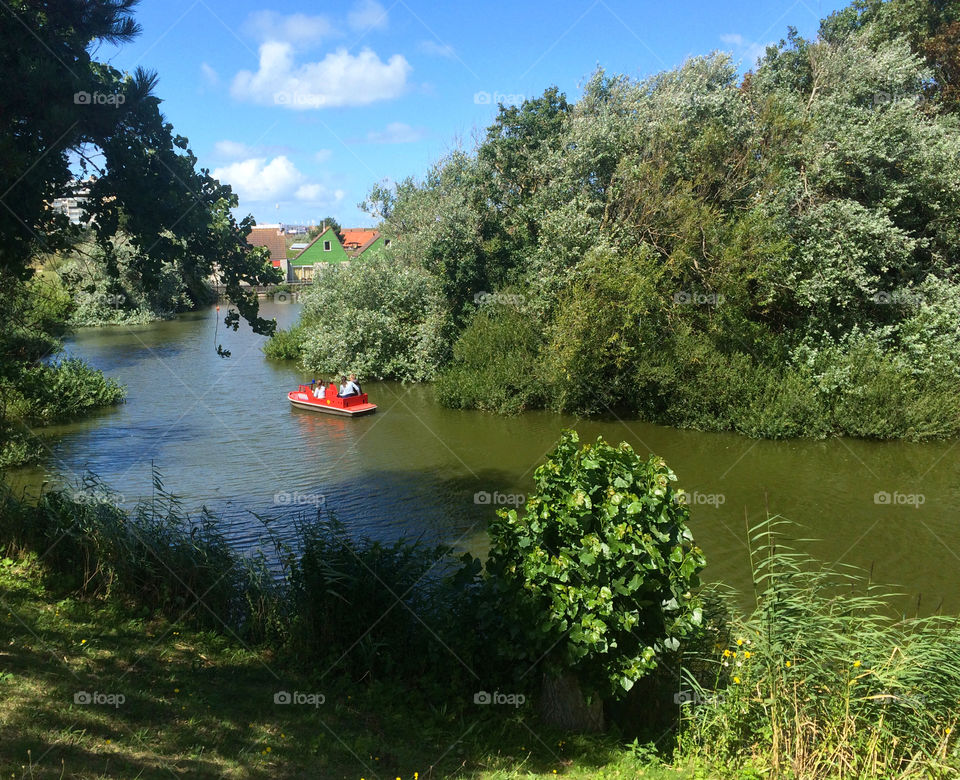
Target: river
223,435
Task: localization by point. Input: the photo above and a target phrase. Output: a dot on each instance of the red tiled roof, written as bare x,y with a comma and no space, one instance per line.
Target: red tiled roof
354,238
272,238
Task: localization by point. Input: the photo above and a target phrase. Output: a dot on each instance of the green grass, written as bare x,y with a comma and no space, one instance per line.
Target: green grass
201,704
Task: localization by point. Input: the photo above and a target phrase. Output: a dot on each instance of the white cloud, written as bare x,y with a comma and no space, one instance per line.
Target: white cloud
367,15
210,76
296,29
396,133
437,49
235,150
339,79
258,180
232,149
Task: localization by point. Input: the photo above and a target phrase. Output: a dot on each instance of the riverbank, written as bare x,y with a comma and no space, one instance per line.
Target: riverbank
201,703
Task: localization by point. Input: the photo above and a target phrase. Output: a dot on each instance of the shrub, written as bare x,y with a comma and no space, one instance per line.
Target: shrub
596,575
375,318
495,363
285,344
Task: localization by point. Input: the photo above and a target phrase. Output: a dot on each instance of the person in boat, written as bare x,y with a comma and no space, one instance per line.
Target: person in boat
347,389
356,384
318,389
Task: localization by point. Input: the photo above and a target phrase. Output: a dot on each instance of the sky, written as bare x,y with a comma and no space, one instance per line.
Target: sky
303,106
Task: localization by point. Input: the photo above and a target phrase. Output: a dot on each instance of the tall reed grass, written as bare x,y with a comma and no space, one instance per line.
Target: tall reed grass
822,680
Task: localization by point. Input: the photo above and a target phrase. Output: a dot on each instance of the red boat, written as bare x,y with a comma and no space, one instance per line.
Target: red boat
329,402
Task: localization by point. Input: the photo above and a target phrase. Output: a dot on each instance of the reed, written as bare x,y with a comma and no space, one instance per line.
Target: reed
821,680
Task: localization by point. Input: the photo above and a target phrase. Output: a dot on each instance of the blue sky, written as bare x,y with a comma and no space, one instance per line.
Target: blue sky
302,106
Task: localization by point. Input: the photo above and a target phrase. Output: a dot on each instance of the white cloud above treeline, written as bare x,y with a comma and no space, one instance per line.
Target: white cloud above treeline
259,180
340,78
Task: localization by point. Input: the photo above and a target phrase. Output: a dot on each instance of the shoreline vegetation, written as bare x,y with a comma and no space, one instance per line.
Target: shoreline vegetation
403,658
772,254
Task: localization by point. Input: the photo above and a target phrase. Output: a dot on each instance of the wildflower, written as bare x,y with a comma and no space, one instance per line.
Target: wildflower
176,690
739,642
856,664
789,664
746,654
736,680
83,641
268,748
726,653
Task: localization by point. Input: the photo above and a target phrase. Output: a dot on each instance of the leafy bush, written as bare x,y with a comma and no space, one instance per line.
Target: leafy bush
495,363
285,344
375,318
596,575
56,391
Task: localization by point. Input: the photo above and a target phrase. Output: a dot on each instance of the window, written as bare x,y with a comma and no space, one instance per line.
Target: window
326,246
386,242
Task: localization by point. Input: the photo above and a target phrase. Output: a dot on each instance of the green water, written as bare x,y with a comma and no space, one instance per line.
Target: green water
223,435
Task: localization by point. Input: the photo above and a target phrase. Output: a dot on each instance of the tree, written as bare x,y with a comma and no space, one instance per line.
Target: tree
70,109
315,230
595,578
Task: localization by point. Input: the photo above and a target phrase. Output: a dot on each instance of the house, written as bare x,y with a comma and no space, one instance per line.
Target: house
325,248
273,238
72,202
360,241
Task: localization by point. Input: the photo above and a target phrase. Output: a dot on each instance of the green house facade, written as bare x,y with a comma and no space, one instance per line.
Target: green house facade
325,248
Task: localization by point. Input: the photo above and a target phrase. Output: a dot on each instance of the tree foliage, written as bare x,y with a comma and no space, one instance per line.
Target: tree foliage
713,250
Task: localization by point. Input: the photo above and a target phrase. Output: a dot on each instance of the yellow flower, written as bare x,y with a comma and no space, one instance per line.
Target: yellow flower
736,680
83,641
726,653
856,664
176,690
746,653
739,642
268,748
789,664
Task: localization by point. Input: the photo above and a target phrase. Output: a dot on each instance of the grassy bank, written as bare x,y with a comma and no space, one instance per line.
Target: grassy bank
201,703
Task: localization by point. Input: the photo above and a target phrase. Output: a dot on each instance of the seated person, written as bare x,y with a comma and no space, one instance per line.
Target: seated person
318,390
356,384
346,389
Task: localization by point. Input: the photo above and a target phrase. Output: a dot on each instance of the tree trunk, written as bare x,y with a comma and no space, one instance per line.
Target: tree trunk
562,704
